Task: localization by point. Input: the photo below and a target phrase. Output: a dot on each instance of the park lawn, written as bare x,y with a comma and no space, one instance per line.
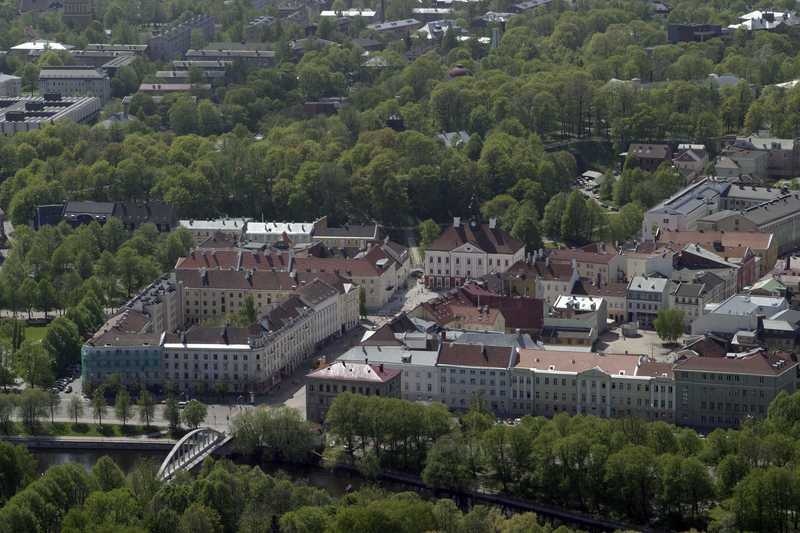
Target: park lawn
35,334
69,429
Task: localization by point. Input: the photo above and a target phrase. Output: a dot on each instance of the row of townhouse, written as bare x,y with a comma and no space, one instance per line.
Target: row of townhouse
208,274
203,357
515,377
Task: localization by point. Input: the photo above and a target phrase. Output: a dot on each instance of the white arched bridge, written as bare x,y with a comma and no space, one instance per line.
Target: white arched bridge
192,450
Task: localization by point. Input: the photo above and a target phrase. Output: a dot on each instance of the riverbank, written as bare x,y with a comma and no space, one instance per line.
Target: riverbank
97,443
70,429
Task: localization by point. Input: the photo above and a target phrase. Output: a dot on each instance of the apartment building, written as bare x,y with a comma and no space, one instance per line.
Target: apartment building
692,297
125,346
545,383
10,85
169,42
614,294
75,82
257,357
646,297
27,113
203,229
325,384
470,251
420,375
680,211
575,320
603,265
357,236
470,371
273,232
724,243
725,391
780,217
212,294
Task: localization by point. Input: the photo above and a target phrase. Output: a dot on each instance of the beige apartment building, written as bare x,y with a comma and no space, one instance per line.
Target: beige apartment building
545,383
256,358
726,391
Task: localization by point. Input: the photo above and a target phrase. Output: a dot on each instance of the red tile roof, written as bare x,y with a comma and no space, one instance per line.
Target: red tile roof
582,256
262,280
490,240
540,269
476,355
564,361
759,363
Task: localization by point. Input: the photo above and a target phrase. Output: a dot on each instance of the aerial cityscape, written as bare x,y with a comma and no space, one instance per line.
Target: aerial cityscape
334,266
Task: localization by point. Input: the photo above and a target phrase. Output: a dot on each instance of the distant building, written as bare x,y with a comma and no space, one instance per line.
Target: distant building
273,232
420,376
395,26
738,313
203,229
691,159
75,82
78,12
470,250
172,41
765,20
325,384
646,296
10,86
725,391
682,33
249,58
125,346
30,112
649,156
575,320
546,383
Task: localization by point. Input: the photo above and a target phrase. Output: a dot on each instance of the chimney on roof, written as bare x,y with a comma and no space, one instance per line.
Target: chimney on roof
456,222
493,223
381,368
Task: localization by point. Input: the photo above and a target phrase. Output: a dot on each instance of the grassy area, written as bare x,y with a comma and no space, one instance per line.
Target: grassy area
69,429
35,333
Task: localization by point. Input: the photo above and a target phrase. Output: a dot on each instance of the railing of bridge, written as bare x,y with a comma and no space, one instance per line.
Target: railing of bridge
194,445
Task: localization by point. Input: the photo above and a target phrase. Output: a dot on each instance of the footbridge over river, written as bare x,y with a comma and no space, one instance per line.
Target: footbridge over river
192,450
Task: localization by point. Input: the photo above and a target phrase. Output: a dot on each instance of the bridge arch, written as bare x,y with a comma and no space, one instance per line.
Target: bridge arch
192,449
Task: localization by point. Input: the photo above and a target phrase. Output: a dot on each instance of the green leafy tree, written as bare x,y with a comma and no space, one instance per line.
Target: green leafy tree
32,407
147,407
108,474
183,116
669,324
34,364
99,404
172,413
429,231
62,342
122,406
445,466
194,414
53,401
198,518
75,408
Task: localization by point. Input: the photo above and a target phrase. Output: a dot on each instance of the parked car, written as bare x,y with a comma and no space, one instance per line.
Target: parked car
68,389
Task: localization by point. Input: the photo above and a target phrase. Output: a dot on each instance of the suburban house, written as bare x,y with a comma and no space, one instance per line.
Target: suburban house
649,156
